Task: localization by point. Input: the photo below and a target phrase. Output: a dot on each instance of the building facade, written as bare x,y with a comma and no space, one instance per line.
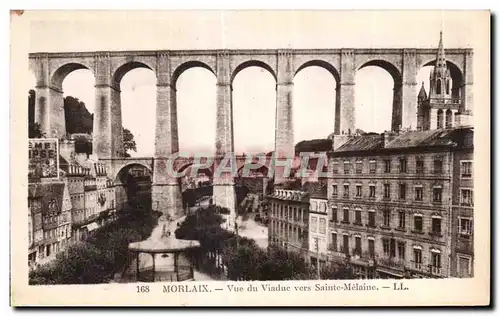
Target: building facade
65,210
462,259
391,200
289,220
318,222
50,221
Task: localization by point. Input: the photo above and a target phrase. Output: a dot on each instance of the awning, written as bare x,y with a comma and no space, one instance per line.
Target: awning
92,226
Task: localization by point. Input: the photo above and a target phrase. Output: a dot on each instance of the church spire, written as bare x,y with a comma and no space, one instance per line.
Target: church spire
440,58
440,76
422,95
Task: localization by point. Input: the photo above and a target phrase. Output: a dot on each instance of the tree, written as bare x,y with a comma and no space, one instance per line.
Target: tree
128,142
313,145
78,119
35,131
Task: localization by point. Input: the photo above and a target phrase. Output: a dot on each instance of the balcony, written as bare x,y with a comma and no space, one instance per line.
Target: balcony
418,266
435,235
454,102
358,223
392,262
435,270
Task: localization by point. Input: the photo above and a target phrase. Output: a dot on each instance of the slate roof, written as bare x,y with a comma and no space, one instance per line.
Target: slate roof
441,137
433,138
363,142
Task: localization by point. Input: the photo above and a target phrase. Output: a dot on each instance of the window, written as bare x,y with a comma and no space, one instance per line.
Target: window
402,191
357,217
372,164
334,214
387,190
402,165
387,218
386,246
439,115
387,166
358,190
466,197
401,250
357,245
314,206
464,227
322,226
346,215
438,166
372,191
346,190
466,169
335,166
333,245
417,223
437,194
371,247
347,167
417,258
419,166
401,219
464,267
371,218
346,244
314,224
436,260
359,166
334,190
419,193
436,225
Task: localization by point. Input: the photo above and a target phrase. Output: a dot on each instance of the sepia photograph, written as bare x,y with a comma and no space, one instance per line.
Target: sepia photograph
245,152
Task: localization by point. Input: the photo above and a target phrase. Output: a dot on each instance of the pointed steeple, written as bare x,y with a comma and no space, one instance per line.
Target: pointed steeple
422,95
440,58
440,76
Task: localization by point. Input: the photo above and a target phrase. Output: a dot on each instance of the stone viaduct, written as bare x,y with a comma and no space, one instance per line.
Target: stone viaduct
108,68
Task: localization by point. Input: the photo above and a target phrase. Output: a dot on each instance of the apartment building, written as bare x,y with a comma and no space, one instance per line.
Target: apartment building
391,199
50,221
289,220
318,221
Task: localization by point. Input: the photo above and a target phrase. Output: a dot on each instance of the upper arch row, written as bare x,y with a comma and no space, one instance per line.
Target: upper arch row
52,70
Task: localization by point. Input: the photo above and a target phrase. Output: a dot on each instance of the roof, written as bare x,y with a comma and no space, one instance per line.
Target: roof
363,142
51,194
451,137
440,137
290,195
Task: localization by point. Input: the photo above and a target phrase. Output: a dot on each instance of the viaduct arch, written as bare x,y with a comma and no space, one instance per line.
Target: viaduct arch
108,68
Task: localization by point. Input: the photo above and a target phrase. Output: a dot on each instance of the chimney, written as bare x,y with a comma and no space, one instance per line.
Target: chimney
388,137
339,140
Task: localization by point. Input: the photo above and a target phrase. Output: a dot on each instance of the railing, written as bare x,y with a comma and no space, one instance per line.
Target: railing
396,263
456,101
417,266
435,270
165,274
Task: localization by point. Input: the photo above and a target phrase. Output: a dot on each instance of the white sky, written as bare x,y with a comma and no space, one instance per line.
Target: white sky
254,101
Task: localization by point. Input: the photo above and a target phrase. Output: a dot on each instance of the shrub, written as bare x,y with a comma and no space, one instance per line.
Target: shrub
103,254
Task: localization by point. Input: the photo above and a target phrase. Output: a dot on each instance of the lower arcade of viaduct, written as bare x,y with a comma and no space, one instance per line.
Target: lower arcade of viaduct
108,68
